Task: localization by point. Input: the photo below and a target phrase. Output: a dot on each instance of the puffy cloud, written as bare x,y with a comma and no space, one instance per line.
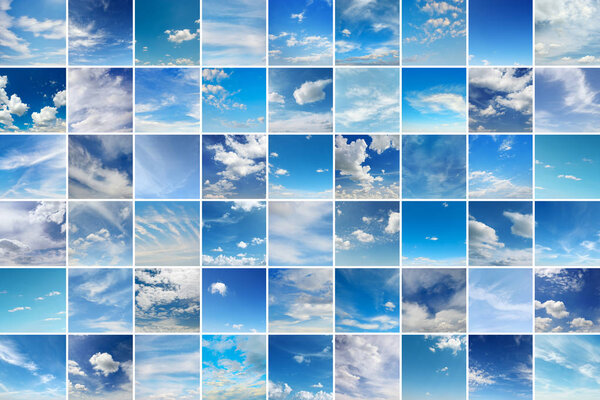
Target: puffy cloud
48,28
179,36
542,324
278,390
380,143
275,97
522,224
556,309
104,364
393,225
485,247
581,324
362,236
311,91
452,343
218,288
341,244
74,369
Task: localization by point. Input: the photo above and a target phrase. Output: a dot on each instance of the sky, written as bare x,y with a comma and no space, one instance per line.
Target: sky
300,166
100,166
300,100
500,32
167,300
167,166
434,99
367,233
234,233
500,367
433,233
367,367
32,300
434,166
32,166
32,233
167,366
500,166
100,233
500,99
367,100
367,167
223,24
433,32
167,35
100,100
167,100
434,300
567,233
565,300
32,366
33,32
367,32
100,367
234,166
234,367
367,300
500,233
167,233
100,300
100,33
32,99
300,366
234,99
300,32
301,300
301,233
434,366
566,367
500,300
234,300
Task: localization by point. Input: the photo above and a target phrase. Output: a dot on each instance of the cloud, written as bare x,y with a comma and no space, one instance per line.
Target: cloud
179,36
311,91
485,185
104,364
389,306
218,288
362,236
74,369
432,101
479,377
522,224
393,225
19,309
581,324
485,247
572,177
279,391
556,309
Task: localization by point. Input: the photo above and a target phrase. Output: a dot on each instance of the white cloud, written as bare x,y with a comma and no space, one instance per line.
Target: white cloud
179,36
393,225
275,97
380,143
48,28
279,391
74,369
104,364
556,309
311,91
218,288
571,177
581,324
522,224
362,236
389,306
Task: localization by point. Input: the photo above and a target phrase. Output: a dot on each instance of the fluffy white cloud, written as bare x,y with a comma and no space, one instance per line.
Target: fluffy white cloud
393,225
311,91
485,247
104,364
179,36
556,309
522,224
74,369
380,143
218,288
279,390
581,324
362,236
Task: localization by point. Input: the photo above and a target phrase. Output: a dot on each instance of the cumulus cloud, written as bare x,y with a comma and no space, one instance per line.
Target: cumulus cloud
311,91
218,288
179,36
556,309
104,364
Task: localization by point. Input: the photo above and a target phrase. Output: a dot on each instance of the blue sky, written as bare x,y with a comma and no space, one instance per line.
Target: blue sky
500,99
300,367
32,99
100,233
167,233
167,166
433,233
500,32
167,35
34,32
234,99
100,33
223,24
167,100
300,32
167,366
32,366
367,32
367,300
234,367
102,365
234,233
567,233
367,233
434,166
434,300
100,166
500,367
300,166
32,166
500,166
500,300
434,366
565,300
566,367
566,166
33,233
234,166
32,300
434,99
234,300
367,166
100,300
167,300
367,100
500,233
433,32
301,300
300,100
